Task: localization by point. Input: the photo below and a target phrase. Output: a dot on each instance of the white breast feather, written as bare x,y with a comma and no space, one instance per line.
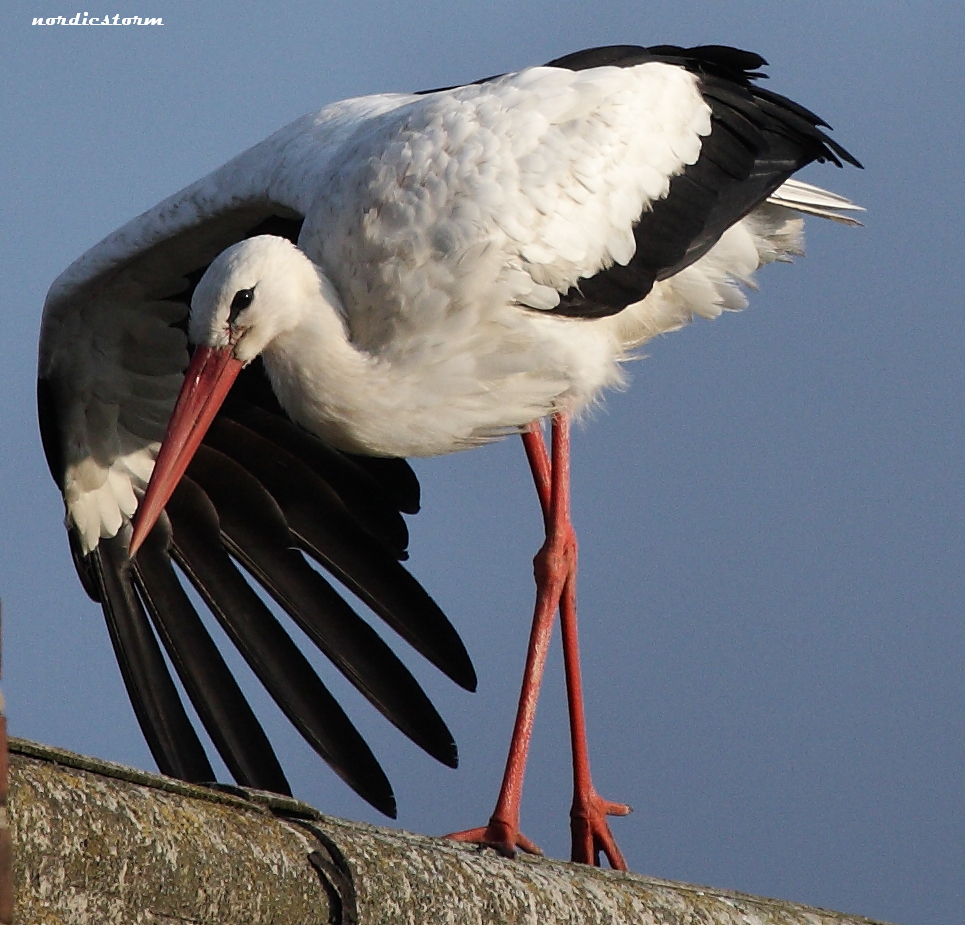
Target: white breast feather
457,209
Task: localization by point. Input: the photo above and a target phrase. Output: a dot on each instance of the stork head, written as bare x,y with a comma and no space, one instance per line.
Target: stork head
252,293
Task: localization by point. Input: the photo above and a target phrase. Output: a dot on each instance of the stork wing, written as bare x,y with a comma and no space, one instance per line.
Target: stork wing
112,356
757,140
585,183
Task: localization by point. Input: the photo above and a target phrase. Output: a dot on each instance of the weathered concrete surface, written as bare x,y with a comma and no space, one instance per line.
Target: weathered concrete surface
98,843
403,878
98,849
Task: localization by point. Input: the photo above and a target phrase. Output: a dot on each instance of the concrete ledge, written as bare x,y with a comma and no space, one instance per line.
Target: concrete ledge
100,843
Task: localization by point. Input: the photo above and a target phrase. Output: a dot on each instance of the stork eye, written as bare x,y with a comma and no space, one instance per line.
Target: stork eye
239,303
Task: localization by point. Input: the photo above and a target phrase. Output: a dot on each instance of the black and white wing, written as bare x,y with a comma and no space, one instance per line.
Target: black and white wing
757,140
260,493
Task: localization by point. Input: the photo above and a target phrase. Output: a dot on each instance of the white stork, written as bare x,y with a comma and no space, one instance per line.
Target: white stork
396,275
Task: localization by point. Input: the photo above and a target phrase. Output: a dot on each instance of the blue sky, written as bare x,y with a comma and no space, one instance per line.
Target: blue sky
771,515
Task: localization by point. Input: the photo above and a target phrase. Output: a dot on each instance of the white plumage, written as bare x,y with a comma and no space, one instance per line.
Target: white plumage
432,221
468,261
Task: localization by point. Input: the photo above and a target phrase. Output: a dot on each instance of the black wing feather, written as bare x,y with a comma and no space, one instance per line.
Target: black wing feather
257,533
337,542
275,659
170,736
364,498
222,707
358,492
386,480
757,140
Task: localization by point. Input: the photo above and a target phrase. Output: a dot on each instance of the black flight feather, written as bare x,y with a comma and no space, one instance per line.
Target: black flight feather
273,656
256,532
222,707
170,736
356,490
757,140
343,548
388,480
364,499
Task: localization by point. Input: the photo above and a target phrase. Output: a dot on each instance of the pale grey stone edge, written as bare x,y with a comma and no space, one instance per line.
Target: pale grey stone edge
97,842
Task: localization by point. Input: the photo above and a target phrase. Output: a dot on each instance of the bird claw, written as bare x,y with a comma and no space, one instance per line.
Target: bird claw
590,830
500,836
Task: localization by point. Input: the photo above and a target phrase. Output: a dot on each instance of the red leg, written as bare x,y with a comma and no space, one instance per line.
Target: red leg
555,568
589,829
588,825
503,833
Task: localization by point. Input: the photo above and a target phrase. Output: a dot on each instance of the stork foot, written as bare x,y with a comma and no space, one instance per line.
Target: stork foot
591,832
501,836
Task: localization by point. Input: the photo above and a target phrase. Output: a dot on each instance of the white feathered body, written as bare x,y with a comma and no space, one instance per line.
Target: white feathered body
442,229
449,225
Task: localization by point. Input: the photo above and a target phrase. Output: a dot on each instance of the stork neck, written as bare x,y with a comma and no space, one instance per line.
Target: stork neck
321,379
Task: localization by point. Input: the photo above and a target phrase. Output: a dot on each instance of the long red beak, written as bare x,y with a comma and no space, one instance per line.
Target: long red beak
210,375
